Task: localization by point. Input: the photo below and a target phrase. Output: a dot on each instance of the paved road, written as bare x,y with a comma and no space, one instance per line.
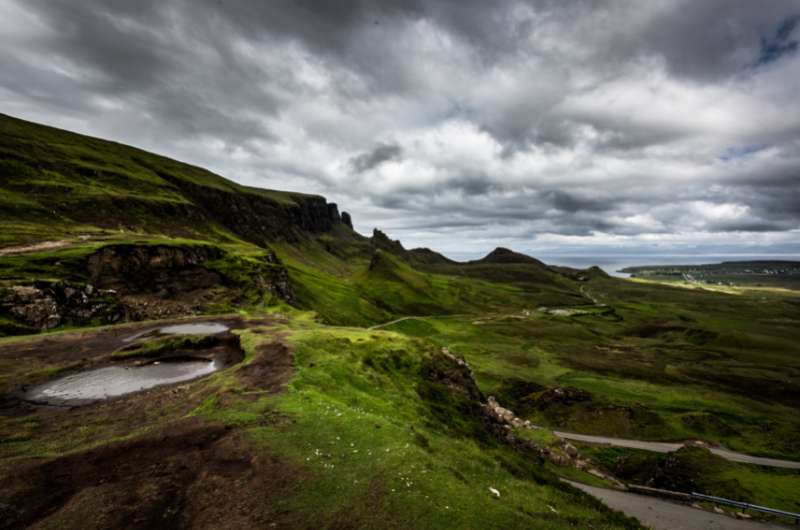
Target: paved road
665,447
659,514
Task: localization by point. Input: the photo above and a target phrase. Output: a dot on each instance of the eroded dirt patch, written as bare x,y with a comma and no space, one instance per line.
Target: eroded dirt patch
190,474
83,345
270,369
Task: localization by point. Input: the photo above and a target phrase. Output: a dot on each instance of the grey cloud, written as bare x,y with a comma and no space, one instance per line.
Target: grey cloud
571,203
294,88
380,154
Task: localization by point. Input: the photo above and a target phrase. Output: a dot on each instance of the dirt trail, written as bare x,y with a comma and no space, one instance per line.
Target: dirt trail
44,245
667,447
659,514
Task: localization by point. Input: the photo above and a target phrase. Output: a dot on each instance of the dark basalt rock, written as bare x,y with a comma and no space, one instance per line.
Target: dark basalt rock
45,305
153,269
346,220
257,217
135,282
562,396
381,241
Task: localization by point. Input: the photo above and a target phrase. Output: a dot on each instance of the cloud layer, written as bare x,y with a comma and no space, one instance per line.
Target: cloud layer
457,125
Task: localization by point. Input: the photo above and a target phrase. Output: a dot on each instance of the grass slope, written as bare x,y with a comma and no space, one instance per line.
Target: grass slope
57,183
654,362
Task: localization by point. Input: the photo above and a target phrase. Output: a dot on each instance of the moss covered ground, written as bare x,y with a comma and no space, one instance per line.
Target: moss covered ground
648,361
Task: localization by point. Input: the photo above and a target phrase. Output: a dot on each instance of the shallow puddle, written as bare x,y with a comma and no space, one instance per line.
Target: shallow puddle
198,328
112,381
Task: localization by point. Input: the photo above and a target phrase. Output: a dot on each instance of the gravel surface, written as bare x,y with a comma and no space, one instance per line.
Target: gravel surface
659,514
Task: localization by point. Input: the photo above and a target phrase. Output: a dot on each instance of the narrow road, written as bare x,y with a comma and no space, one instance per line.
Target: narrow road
419,317
379,326
667,447
660,514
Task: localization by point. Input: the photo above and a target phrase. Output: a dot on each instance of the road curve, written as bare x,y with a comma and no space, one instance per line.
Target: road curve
667,447
660,514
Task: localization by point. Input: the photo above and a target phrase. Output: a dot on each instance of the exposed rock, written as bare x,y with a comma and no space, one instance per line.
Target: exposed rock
333,213
570,449
257,217
280,285
46,305
153,268
561,395
135,282
503,422
453,373
346,220
381,241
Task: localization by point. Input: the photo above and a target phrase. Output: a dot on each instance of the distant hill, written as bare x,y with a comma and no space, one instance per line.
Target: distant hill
61,183
170,239
504,255
759,272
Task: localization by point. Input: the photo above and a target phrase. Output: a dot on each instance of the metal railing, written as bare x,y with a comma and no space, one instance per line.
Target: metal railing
745,506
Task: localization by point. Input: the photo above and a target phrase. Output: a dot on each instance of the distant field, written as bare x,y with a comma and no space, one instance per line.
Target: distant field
752,273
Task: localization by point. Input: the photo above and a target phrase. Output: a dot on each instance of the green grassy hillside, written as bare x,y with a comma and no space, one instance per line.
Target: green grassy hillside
95,233
56,183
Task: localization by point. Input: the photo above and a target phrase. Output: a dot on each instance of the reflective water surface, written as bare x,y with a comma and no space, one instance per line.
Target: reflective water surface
197,328
113,381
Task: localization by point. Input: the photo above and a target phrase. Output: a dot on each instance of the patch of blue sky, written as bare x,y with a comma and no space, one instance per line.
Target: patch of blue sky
781,43
741,151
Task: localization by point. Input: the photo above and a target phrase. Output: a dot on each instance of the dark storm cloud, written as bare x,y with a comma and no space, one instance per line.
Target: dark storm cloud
382,153
570,203
551,118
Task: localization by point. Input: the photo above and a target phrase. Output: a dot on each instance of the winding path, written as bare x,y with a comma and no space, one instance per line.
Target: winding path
660,514
667,447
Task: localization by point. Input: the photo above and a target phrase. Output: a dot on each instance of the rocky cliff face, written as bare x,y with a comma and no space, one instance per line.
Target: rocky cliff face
257,217
158,269
44,305
135,282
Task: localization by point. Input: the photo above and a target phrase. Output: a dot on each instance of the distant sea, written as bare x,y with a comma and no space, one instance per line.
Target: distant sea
612,264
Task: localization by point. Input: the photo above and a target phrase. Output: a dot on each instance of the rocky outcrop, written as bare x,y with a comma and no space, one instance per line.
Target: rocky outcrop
451,382
454,373
172,271
510,428
43,305
136,282
346,220
381,241
333,213
161,269
561,396
256,216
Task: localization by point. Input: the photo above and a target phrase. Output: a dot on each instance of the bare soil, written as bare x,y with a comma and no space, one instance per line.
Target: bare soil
143,461
191,474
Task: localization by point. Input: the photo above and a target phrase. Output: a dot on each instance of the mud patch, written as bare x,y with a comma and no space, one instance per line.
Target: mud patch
189,474
83,345
270,369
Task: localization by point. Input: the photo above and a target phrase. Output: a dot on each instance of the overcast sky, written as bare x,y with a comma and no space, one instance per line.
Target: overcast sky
552,125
